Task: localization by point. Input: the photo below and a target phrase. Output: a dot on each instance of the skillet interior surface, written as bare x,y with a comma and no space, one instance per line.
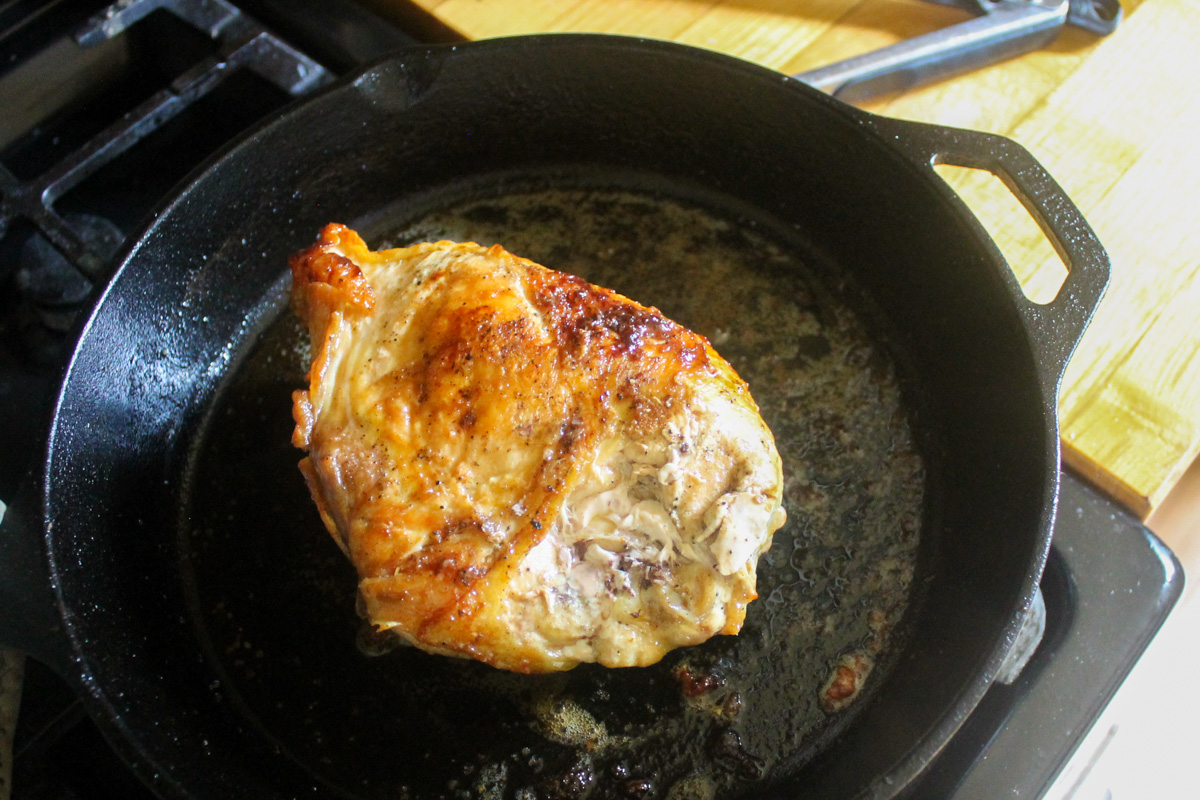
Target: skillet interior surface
135,544
275,598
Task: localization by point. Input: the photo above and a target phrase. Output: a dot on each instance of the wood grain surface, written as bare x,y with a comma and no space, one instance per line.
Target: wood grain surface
1115,120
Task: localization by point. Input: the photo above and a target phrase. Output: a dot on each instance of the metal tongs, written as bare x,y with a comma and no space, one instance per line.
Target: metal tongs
1001,29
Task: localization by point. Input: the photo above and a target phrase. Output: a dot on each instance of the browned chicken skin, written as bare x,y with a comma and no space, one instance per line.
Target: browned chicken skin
526,469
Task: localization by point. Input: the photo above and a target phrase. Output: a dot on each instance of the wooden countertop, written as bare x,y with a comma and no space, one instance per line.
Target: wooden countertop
1115,120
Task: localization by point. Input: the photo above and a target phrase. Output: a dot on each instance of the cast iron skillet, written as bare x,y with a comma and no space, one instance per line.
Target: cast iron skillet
97,579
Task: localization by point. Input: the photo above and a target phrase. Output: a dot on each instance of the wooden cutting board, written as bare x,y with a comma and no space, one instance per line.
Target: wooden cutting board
1116,120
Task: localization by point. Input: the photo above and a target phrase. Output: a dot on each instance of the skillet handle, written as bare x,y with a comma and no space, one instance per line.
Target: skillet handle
28,602
1058,325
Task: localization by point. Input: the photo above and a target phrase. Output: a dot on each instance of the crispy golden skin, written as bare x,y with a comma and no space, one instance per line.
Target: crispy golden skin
526,469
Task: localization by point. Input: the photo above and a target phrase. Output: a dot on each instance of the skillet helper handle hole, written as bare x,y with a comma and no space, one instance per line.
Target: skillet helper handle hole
1063,276
1032,257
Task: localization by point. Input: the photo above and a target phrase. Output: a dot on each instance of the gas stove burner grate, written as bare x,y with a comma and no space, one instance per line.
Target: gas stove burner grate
62,243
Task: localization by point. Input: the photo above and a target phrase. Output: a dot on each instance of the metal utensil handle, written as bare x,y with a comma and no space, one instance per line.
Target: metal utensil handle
1004,29
1057,325
1004,32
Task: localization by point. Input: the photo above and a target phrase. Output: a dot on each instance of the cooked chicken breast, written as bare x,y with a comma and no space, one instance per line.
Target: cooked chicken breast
526,469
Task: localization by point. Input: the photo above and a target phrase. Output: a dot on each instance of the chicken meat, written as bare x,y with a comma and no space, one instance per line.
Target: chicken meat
526,469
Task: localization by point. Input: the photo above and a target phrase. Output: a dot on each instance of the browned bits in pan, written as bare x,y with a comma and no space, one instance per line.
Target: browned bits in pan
695,682
846,681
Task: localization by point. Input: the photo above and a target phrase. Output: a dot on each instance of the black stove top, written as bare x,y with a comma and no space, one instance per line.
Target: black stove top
106,108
